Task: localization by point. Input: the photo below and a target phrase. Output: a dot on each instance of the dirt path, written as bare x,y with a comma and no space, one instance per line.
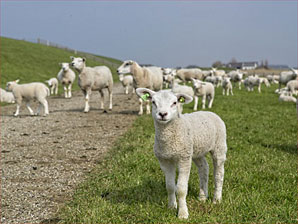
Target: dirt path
44,158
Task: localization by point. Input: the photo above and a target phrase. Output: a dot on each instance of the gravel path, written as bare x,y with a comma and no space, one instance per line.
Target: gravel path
44,158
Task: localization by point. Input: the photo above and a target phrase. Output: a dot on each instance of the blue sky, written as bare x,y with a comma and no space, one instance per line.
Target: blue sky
164,33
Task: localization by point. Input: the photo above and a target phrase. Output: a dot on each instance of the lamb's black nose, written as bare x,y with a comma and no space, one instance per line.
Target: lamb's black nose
163,114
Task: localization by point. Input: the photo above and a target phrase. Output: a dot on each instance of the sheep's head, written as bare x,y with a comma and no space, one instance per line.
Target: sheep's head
9,85
197,84
125,67
49,82
165,103
78,63
64,66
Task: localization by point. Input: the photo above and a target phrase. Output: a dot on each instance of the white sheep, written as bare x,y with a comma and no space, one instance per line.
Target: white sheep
287,76
93,79
53,84
66,76
181,139
236,77
29,91
227,86
168,76
176,88
205,90
273,79
6,97
264,81
127,82
252,81
286,98
186,74
146,77
292,87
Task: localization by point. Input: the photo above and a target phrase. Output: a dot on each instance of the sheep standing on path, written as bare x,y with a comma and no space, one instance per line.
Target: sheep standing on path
181,139
29,91
53,84
205,90
66,76
6,97
127,82
145,77
93,79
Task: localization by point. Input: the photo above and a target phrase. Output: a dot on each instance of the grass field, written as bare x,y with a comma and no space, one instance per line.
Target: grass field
31,62
260,184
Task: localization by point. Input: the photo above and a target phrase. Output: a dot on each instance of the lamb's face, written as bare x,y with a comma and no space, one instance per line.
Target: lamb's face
78,63
166,71
9,85
49,83
65,66
125,67
197,84
164,106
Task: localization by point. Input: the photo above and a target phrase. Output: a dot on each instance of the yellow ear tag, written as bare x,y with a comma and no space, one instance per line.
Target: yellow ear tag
145,96
182,100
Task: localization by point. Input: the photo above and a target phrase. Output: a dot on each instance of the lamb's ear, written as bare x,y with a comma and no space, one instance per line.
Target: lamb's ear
183,98
71,57
84,59
144,93
17,81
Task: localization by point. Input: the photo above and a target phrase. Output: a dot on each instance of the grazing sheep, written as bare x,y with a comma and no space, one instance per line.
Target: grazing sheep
287,76
218,72
66,76
53,84
215,80
292,87
265,81
146,77
93,79
273,79
29,91
127,82
183,138
168,76
236,77
285,98
6,97
227,86
204,89
186,74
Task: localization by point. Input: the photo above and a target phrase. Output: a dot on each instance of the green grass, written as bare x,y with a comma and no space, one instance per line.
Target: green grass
260,183
31,62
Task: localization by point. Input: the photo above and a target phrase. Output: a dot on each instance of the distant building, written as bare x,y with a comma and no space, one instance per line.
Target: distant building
243,65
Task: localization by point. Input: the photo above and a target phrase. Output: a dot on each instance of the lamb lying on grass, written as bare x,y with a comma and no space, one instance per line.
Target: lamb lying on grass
6,97
179,139
286,98
53,84
28,92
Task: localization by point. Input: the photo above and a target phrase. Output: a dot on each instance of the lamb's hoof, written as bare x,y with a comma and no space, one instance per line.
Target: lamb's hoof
140,113
15,115
148,112
183,214
172,205
202,198
86,111
216,201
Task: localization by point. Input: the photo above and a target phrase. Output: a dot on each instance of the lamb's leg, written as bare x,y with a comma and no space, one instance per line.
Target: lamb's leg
211,98
52,89
169,170
133,90
69,90
223,91
18,110
227,91
147,107
203,101
126,89
65,91
218,164
102,98
141,106
111,99
29,108
259,88
240,85
232,92
56,90
182,185
87,94
195,107
203,169
45,104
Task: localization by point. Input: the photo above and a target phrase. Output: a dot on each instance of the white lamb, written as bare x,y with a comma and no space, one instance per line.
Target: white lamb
66,76
292,87
93,79
205,90
29,91
146,77
227,86
186,74
127,82
6,97
181,139
53,84
286,98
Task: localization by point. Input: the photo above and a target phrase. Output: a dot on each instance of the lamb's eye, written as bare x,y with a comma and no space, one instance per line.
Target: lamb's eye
174,104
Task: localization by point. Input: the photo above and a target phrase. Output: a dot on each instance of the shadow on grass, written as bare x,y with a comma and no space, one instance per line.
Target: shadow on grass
289,148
